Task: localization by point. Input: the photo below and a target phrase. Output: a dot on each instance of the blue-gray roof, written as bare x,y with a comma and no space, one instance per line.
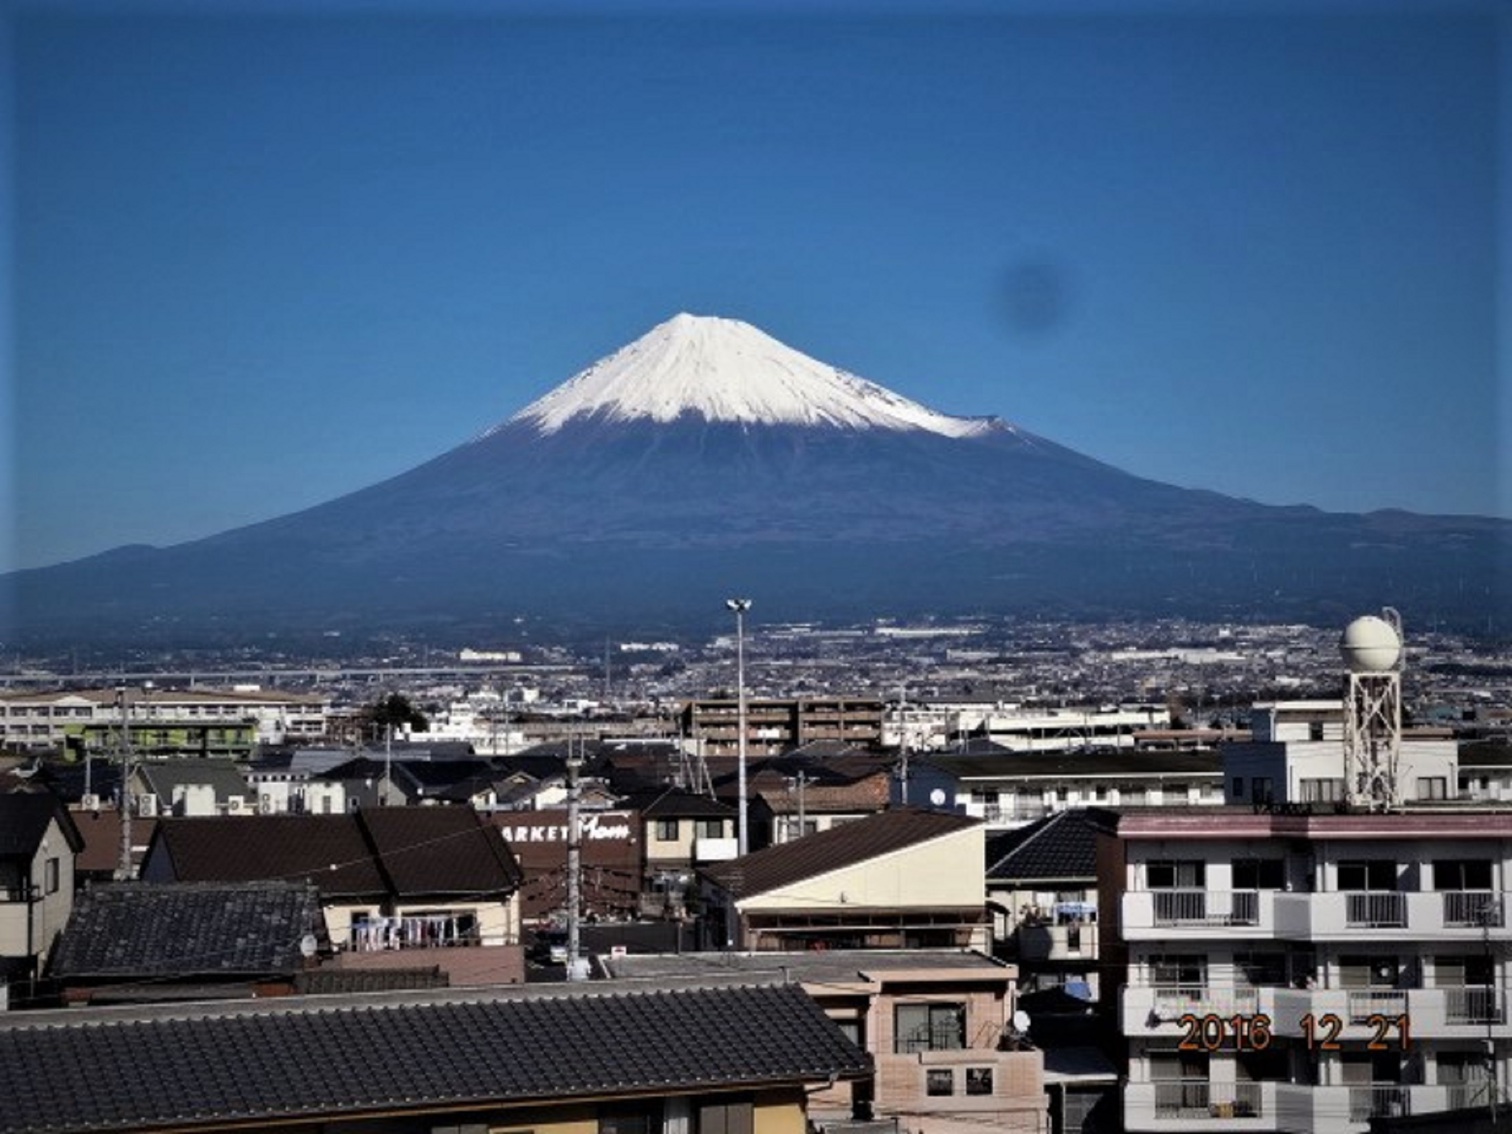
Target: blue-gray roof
261,1062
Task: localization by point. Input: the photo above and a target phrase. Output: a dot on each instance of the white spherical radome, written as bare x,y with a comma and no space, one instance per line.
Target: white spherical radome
1370,645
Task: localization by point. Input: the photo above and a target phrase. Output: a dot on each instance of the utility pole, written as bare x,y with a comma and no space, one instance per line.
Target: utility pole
123,864
574,864
738,607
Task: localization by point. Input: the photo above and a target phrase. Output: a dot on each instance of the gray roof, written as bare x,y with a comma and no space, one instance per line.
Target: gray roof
188,930
162,776
1059,846
410,1052
813,967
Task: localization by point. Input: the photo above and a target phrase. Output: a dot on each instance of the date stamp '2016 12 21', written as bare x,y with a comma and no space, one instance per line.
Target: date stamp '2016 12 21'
1212,1032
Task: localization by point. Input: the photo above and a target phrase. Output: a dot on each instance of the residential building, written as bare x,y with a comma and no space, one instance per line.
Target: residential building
131,942
904,878
1010,789
38,844
1042,893
611,854
814,789
435,880
936,1022
189,721
776,725
1307,971
562,1059
680,831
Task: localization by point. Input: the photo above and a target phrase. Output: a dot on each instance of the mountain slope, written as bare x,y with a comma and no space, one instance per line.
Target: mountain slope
707,458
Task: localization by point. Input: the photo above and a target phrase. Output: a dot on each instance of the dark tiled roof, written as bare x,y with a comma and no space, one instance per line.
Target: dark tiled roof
1039,765
368,1055
440,850
329,981
1062,845
675,803
834,849
138,930
24,817
398,851
329,850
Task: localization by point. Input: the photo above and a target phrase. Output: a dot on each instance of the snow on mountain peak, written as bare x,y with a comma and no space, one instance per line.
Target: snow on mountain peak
726,370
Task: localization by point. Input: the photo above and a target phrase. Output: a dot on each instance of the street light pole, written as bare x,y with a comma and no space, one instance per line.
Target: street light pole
738,607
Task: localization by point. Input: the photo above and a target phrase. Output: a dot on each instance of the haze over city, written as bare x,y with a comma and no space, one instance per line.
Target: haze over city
265,259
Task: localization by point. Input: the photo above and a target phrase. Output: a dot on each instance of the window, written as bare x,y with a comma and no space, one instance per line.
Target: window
984,795
1238,787
979,1080
1322,790
1176,874
939,1081
1174,792
1262,789
711,828
1432,787
1362,971
1261,969
1178,970
929,1027
726,1117
50,876
630,1120
1259,873
1368,874
666,831
1314,730
1461,874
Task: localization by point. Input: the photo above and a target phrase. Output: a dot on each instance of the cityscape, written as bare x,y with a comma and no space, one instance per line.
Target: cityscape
848,568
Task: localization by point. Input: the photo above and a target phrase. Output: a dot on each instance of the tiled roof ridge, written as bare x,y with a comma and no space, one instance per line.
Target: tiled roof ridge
1029,838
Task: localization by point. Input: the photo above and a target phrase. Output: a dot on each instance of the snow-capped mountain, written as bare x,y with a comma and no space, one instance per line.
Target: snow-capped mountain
707,459
723,370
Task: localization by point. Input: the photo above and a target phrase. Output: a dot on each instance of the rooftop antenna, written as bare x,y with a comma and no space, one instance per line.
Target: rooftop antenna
1372,650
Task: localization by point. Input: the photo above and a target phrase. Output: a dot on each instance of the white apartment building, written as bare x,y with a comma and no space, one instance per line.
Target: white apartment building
934,726
44,720
1304,972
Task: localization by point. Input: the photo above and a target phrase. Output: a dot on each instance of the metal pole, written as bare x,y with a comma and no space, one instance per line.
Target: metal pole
574,865
739,606
123,864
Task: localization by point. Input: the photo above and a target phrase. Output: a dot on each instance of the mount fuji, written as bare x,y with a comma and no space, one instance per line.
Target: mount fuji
706,459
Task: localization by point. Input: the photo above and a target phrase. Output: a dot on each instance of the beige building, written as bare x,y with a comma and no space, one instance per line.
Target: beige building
937,1024
38,844
904,878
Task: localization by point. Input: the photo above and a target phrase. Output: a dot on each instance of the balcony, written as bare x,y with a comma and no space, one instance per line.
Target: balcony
1196,1104
715,850
1152,1010
1152,915
1449,915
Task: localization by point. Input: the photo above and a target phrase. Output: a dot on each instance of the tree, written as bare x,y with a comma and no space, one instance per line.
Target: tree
394,711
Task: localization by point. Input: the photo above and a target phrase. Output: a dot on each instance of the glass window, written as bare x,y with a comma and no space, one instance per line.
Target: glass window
1259,873
1370,874
979,1080
50,875
1432,787
939,1081
1461,874
929,1027
666,830
1174,874
711,828
726,1118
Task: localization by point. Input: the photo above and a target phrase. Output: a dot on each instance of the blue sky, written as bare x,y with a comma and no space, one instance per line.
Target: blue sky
261,256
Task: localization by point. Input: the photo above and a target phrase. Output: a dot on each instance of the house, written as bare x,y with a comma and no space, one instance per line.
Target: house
131,942
774,726
187,786
38,844
1042,891
680,831
711,1057
1313,972
821,786
937,1024
905,878
436,880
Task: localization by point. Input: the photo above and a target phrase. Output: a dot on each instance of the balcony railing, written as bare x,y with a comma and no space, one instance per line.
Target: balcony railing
1472,1006
1379,1101
1201,1000
1364,1004
1201,907
1474,908
1370,910
1193,1098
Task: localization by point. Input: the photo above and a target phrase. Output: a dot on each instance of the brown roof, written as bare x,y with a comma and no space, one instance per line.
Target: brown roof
398,851
440,850
842,846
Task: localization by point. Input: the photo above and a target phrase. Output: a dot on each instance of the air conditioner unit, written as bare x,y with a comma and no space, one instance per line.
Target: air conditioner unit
89,802
265,805
236,805
147,804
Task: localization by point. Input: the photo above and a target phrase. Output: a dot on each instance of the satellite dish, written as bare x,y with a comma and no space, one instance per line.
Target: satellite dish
1021,1020
307,945
937,797
1370,645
